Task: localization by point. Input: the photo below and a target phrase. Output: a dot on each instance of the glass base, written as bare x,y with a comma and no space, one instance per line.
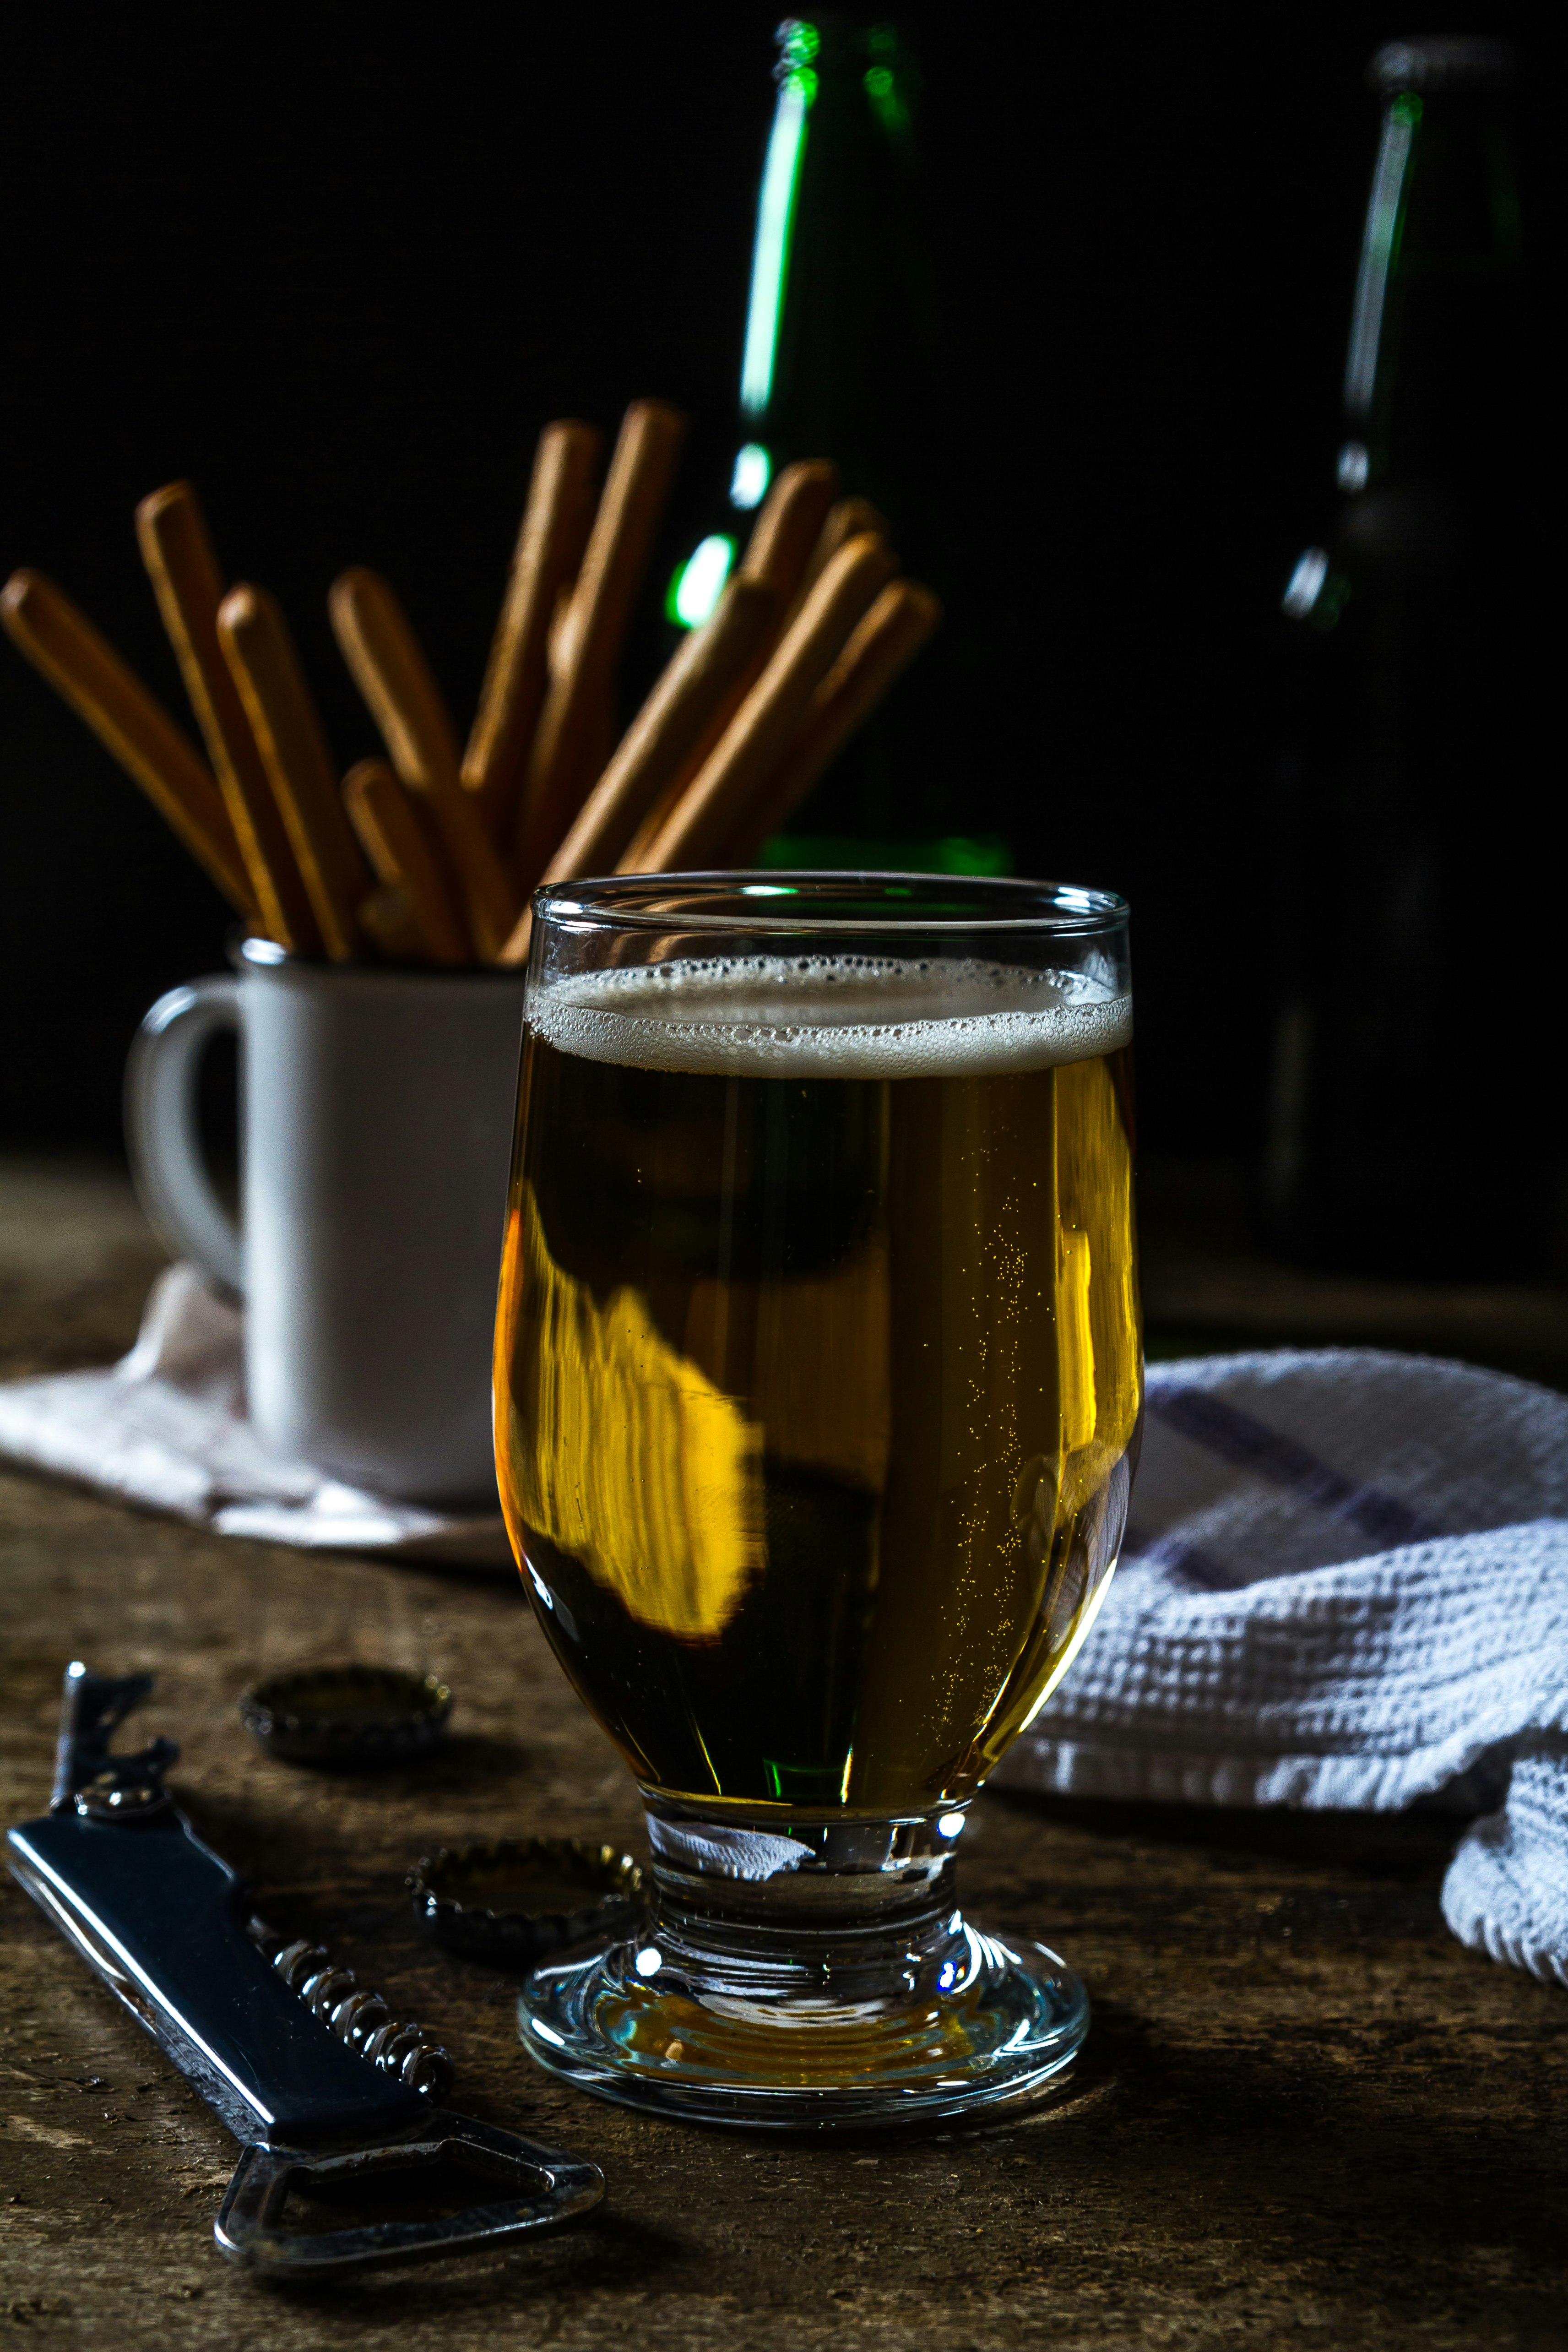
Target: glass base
818,1978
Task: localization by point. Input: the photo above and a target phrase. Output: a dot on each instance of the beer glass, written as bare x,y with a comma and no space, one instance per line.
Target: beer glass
818,1392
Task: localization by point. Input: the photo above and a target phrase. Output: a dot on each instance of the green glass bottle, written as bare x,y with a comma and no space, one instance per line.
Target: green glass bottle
838,360
1414,1117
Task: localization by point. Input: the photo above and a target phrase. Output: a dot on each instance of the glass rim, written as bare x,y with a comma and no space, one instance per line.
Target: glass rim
623,902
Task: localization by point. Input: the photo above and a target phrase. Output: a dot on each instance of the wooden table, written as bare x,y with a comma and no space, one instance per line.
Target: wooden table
1306,2115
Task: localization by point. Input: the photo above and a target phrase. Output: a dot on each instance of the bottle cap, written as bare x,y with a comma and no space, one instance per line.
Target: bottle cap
1441,61
513,1900
349,1716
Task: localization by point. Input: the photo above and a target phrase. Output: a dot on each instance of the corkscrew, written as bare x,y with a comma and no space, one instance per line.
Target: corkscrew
358,2018
308,2068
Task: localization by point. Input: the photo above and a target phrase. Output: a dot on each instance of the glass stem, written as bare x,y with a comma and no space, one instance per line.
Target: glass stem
772,1916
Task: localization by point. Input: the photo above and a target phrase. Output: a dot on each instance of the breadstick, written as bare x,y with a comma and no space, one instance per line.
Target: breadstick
619,546
259,651
82,666
656,746
392,836
716,803
782,539
883,644
189,588
789,526
781,542
406,704
637,857
548,551
844,521
656,743
390,669
386,918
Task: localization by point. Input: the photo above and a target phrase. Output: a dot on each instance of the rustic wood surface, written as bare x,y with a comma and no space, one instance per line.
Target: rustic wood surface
1306,2115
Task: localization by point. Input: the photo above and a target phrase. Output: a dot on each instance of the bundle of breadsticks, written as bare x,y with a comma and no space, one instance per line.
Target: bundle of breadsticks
429,855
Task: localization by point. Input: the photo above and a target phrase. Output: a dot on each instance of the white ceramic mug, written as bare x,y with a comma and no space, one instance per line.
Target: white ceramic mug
376,1127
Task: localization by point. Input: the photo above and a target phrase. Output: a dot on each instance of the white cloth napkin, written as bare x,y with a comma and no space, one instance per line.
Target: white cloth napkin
1345,1584
166,1427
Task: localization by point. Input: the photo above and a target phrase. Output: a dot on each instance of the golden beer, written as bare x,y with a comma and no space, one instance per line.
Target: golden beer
817,1361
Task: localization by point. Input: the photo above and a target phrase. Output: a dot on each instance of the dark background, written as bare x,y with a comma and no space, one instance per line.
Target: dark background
339,266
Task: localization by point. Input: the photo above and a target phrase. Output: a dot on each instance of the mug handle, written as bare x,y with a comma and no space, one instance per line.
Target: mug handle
161,1129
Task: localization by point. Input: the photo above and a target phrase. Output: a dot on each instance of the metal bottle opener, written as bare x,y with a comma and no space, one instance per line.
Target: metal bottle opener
305,2067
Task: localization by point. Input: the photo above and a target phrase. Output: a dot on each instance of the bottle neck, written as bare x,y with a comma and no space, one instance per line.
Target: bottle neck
840,335
1433,366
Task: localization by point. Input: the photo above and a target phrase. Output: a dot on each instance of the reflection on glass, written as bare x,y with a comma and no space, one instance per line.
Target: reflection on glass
753,472
1379,247
775,223
699,582
1305,584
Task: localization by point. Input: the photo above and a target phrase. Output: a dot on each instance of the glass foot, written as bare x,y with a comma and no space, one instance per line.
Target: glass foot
824,1989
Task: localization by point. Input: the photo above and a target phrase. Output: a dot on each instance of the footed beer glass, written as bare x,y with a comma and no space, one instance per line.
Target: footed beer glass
818,1392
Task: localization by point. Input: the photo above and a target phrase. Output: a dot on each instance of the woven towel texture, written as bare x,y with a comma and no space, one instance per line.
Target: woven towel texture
1345,1584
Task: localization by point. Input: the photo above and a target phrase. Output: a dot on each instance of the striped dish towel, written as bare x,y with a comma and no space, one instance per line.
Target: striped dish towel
1345,1584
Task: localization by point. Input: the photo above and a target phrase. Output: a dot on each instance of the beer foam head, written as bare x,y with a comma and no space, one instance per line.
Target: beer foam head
832,1016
